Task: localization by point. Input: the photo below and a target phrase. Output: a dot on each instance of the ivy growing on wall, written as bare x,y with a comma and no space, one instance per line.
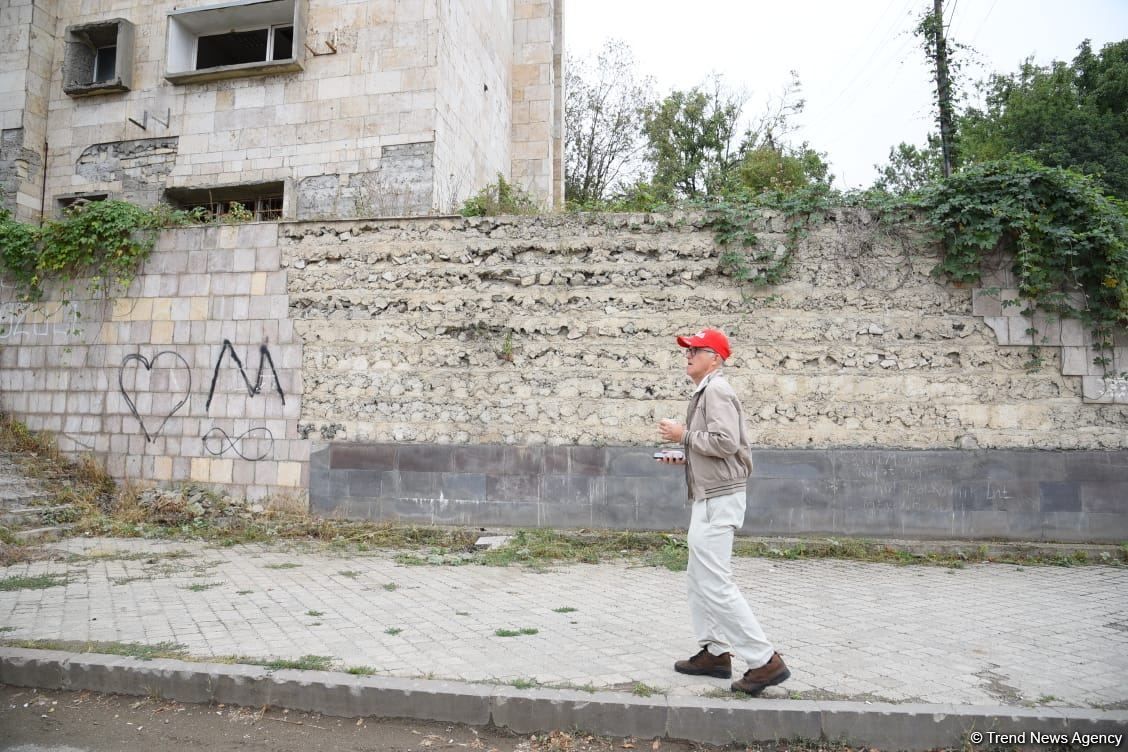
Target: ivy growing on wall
736,221
1068,239
102,241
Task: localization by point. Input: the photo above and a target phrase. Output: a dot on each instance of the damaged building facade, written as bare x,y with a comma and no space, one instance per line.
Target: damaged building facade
295,109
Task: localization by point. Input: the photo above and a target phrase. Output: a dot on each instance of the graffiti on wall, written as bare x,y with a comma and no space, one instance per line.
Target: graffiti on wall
252,445
256,387
170,388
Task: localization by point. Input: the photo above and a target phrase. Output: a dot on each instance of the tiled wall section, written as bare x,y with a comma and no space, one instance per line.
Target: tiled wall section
146,383
1004,494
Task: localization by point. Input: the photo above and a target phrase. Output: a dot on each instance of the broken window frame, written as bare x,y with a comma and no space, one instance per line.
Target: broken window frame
64,202
84,58
265,201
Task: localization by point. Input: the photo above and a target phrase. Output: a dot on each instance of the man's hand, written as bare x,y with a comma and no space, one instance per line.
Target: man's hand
671,430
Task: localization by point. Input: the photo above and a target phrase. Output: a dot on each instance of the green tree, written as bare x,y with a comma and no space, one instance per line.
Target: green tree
698,150
1072,115
693,140
769,168
910,167
603,116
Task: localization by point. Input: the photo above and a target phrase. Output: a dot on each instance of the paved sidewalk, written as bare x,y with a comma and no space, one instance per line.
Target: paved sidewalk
983,635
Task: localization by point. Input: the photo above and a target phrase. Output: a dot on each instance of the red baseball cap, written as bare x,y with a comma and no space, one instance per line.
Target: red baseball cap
714,339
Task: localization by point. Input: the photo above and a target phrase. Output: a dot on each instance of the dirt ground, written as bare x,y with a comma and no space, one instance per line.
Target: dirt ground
32,720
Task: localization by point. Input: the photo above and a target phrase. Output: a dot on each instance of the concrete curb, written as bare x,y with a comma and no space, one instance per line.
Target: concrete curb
713,721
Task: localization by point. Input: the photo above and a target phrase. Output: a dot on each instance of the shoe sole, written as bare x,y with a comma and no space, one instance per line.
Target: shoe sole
718,673
761,687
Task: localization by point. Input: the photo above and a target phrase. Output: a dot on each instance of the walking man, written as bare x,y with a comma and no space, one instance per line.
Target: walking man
717,465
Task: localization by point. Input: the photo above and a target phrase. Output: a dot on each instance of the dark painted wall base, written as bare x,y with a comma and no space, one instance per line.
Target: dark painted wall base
1006,494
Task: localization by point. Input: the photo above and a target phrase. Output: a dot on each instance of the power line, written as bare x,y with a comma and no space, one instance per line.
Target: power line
951,15
981,23
885,41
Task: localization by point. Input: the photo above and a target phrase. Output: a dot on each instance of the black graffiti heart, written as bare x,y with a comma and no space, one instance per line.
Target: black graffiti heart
149,367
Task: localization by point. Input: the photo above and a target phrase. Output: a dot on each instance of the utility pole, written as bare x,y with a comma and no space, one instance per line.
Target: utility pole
943,90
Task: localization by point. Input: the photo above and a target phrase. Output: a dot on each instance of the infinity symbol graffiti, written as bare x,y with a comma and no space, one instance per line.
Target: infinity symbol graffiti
219,435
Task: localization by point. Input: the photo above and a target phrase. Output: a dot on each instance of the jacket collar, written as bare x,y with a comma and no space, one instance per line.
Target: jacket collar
705,381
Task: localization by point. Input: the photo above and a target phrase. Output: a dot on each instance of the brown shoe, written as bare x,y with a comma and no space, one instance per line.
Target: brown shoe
756,679
707,664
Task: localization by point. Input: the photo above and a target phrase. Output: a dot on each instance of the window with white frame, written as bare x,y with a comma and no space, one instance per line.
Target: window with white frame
247,38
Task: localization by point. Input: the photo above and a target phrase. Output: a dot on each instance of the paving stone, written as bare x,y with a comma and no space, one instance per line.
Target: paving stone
982,635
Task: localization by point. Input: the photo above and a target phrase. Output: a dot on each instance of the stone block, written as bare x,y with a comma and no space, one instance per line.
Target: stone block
513,488
432,458
290,474
1018,330
33,668
599,713
909,727
1109,497
1074,361
464,486
566,489
742,722
105,674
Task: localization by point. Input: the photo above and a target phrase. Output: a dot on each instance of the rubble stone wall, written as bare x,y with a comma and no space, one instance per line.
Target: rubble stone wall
559,330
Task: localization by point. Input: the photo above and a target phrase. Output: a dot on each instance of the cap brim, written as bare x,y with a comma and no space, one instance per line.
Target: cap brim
689,342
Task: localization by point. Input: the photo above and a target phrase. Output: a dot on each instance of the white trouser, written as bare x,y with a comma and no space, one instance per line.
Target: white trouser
723,621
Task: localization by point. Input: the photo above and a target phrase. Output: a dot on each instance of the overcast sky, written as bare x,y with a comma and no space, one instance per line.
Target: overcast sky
864,77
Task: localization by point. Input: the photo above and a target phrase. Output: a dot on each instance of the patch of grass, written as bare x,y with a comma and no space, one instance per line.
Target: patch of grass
35,582
722,694
524,683
390,586
644,690
393,631
673,555
243,592
360,670
135,650
515,632
311,612
349,573
305,663
199,587
7,629
83,484
127,580
461,613
283,565
564,610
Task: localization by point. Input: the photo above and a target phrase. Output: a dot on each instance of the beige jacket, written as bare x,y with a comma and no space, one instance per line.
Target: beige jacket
717,458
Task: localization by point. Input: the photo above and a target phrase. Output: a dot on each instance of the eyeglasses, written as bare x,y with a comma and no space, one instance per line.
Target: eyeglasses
691,351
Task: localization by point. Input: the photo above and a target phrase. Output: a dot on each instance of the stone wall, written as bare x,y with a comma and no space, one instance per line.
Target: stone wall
511,370
26,44
559,330
195,374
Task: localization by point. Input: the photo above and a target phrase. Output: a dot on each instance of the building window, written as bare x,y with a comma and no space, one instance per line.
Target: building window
239,47
105,64
76,200
98,58
260,202
249,38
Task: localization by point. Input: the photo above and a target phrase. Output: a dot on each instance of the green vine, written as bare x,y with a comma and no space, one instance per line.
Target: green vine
1066,236
102,241
736,222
